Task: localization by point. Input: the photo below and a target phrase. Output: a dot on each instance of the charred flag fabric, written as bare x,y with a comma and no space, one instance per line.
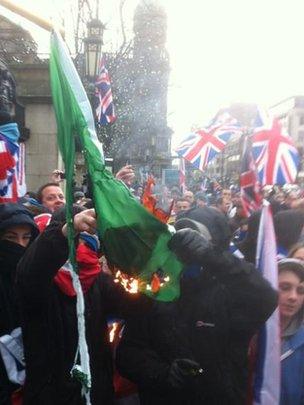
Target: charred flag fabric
203,145
150,202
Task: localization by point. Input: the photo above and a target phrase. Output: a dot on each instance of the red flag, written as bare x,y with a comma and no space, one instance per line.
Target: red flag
149,201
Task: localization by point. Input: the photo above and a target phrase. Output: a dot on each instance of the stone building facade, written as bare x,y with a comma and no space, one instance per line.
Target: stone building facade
35,115
33,90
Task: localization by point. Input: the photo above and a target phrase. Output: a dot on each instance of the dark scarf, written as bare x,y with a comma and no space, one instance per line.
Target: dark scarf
10,254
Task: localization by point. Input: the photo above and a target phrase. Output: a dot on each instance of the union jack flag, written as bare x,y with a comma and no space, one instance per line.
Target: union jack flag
250,186
202,145
12,154
105,108
8,170
275,155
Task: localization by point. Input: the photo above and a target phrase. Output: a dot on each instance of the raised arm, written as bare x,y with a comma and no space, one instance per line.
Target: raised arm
46,256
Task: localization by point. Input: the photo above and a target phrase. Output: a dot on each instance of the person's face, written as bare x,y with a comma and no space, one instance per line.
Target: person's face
19,234
175,195
53,198
188,195
291,294
299,254
236,200
224,207
182,206
200,203
240,211
226,194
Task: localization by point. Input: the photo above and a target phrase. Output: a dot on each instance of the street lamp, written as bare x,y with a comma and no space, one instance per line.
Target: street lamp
92,48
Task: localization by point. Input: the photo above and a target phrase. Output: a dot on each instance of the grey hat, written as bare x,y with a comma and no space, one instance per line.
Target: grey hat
196,226
289,263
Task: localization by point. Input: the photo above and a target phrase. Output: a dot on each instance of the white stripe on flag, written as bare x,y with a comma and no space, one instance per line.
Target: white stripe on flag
267,391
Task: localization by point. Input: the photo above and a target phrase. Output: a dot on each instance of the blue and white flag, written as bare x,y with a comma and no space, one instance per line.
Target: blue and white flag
268,372
12,183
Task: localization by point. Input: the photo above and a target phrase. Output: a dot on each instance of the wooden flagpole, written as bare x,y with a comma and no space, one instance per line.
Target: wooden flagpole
36,19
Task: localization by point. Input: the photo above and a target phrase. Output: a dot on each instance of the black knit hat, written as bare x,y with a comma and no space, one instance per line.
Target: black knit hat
12,214
196,226
288,226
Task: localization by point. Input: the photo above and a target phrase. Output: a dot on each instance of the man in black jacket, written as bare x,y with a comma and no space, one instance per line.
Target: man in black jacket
49,321
194,351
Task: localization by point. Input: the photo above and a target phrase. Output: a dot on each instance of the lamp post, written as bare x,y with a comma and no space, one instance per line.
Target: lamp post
92,48
92,54
89,70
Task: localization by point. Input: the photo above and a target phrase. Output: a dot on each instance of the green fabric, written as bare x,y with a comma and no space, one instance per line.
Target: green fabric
68,123
134,240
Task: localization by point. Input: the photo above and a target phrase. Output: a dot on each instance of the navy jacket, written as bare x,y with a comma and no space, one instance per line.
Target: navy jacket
292,366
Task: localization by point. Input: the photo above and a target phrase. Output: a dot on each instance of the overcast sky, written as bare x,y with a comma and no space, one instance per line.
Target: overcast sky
221,51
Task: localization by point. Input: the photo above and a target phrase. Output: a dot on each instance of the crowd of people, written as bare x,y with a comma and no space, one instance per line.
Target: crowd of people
190,351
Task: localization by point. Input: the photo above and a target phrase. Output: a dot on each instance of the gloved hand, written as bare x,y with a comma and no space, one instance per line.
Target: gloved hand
182,372
190,246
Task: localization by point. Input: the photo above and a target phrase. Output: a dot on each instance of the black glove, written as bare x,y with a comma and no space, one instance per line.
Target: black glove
182,372
190,246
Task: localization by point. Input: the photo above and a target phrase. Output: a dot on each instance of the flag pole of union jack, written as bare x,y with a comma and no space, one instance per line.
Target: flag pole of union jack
182,175
105,108
276,157
250,186
202,146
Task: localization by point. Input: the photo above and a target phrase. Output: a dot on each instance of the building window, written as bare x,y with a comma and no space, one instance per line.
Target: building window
301,120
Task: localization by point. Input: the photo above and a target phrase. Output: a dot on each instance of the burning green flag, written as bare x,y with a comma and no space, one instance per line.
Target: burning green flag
133,239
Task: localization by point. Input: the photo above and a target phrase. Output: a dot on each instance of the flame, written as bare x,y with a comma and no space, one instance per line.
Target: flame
130,284
112,331
133,285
